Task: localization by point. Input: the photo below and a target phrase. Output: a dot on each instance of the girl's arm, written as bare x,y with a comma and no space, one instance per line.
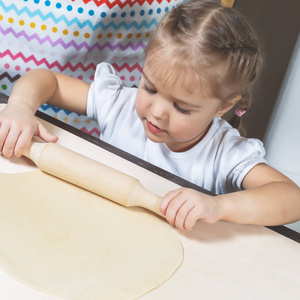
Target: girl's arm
17,121
269,198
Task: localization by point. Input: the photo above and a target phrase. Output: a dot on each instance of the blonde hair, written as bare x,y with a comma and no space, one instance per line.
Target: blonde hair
213,42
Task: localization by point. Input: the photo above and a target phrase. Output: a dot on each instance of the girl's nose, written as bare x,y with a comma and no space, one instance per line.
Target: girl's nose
159,109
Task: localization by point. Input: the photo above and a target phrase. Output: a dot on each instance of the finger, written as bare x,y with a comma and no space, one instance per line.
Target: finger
10,142
45,135
191,219
167,199
4,130
182,214
23,142
173,208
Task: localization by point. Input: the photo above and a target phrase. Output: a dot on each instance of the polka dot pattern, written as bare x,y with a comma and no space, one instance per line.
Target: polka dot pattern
76,33
73,37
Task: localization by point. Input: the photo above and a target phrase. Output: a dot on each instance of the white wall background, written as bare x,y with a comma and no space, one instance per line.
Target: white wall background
282,140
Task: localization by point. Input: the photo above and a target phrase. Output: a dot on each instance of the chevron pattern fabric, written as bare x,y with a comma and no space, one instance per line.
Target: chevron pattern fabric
72,37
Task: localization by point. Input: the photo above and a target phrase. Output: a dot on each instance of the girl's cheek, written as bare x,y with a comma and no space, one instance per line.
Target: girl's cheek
139,105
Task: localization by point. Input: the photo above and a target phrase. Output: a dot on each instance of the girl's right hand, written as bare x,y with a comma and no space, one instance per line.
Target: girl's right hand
17,127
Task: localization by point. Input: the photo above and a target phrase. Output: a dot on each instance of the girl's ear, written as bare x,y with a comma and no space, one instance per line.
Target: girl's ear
227,106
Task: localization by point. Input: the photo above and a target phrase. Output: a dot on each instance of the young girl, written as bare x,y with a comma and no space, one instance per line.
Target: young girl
200,64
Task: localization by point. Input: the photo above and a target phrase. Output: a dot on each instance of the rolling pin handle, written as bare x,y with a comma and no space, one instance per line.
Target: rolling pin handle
139,196
34,151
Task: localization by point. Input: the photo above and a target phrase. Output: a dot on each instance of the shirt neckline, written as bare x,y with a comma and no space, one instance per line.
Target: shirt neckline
197,148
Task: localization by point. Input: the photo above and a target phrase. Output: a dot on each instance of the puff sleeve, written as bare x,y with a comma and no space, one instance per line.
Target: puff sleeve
242,157
103,93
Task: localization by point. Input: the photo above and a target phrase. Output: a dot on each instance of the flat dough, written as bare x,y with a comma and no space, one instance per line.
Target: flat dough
67,242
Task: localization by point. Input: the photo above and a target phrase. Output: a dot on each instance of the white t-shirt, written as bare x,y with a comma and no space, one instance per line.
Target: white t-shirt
218,163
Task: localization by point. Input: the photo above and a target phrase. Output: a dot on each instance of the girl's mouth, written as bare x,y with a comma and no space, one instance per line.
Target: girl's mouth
152,128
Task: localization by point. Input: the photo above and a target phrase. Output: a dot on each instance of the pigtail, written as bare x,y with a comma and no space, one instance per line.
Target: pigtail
238,47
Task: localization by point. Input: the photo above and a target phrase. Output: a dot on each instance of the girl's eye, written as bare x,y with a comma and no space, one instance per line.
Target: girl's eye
181,110
148,90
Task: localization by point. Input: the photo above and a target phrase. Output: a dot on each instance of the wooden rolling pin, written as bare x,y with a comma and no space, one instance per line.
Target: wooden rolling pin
92,175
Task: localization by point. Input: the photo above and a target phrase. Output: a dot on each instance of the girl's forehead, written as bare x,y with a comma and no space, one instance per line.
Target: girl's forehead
175,75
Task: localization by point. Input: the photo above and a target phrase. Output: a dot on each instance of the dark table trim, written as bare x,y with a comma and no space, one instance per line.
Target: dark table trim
283,230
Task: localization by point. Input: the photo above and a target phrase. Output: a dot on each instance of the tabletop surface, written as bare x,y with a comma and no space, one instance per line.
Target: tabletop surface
221,261
279,229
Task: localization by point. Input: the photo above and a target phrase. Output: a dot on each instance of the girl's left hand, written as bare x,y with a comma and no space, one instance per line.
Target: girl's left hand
183,207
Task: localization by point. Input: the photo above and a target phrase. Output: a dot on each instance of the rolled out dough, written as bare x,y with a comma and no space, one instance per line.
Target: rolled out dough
67,242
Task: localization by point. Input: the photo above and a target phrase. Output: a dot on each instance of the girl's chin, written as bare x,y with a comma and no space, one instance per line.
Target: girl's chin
154,138
173,147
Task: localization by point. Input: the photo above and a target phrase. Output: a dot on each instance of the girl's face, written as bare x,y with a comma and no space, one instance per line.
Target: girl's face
174,115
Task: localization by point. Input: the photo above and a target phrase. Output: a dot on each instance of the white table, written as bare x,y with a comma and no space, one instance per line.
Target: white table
221,261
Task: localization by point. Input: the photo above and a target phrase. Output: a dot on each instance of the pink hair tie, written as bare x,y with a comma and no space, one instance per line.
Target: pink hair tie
239,112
